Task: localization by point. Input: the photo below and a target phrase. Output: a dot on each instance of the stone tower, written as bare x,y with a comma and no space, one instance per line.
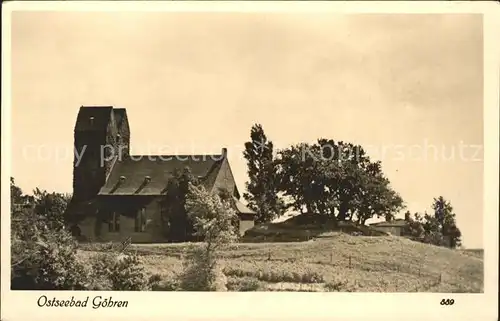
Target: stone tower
101,137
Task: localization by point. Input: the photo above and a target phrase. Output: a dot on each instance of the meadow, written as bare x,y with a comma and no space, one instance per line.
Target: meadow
337,262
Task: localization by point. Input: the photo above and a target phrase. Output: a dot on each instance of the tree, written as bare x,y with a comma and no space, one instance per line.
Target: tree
176,223
296,173
414,228
262,195
336,179
213,218
52,206
445,221
376,197
438,228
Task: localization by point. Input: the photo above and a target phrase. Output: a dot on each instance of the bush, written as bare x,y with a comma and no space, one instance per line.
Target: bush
201,272
336,286
156,283
119,273
42,258
244,284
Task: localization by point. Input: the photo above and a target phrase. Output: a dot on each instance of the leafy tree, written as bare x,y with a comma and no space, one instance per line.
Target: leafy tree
213,219
375,197
445,221
52,206
262,194
439,228
176,224
414,228
296,173
336,179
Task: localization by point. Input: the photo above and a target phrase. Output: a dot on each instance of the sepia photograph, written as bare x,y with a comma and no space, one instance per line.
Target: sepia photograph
248,151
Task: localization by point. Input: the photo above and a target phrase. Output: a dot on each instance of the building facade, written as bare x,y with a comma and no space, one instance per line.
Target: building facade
117,195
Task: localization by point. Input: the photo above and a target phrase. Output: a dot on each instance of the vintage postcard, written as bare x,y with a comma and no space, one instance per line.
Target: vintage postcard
250,160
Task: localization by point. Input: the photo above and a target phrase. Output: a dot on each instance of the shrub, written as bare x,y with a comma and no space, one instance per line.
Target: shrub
201,272
335,286
42,258
119,273
156,283
244,284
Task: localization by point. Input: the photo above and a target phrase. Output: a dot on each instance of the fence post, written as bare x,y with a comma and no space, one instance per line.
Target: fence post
331,258
269,256
349,261
440,277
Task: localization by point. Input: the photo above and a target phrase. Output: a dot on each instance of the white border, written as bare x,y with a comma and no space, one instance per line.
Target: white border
287,306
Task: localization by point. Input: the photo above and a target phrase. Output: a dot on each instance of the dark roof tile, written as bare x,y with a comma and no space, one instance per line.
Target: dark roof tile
160,169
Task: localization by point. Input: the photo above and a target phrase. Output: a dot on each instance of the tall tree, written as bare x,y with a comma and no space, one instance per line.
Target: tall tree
262,195
445,219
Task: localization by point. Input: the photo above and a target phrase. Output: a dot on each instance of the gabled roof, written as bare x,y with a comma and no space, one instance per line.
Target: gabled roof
93,118
242,208
136,170
395,223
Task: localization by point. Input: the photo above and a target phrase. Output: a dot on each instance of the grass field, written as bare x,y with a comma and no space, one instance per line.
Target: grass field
339,262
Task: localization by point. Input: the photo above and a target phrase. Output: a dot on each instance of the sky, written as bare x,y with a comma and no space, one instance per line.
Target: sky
408,88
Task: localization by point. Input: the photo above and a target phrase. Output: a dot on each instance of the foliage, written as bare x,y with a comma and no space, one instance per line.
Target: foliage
262,186
414,227
119,273
439,229
244,284
42,258
176,224
157,283
213,219
44,253
52,206
446,222
335,179
201,271
16,194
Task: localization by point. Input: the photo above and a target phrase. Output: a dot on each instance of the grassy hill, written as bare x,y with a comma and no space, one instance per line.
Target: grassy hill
304,228
335,262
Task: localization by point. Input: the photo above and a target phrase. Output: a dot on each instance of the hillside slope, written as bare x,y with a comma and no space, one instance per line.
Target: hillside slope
303,228
340,262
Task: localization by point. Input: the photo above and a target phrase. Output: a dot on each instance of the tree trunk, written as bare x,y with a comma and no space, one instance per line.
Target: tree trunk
342,212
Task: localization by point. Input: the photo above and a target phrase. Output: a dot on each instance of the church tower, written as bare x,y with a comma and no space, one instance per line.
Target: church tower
101,138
